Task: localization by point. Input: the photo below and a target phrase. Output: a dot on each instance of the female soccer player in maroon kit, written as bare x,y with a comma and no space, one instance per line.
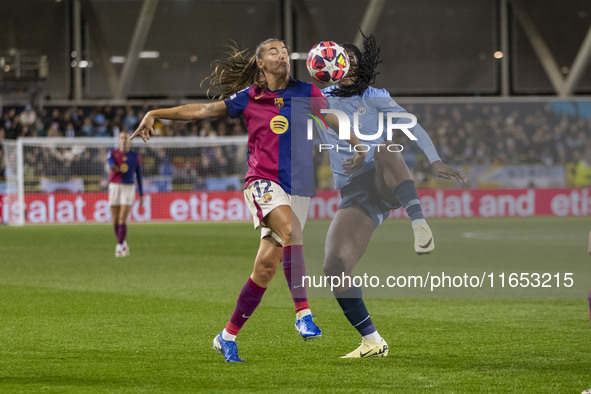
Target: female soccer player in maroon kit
124,164
260,89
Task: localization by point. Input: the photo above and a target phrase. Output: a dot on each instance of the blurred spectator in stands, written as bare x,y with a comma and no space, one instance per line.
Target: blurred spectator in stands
237,129
25,132
100,125
28,116
130,121
193,130
222,128
86,130
38,128
70,132
220,160
53,130
207,129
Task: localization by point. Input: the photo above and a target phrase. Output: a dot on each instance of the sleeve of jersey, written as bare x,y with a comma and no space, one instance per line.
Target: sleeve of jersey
318,100
423,140
138,174
111,159
236,103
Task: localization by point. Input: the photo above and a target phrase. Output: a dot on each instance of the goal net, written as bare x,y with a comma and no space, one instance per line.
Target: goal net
65,180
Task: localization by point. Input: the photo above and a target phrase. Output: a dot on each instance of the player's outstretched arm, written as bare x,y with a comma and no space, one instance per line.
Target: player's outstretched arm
183,112
444,171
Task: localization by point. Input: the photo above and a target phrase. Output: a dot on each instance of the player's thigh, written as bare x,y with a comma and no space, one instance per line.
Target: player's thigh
124,213
300,206
348,235
115,213
284,223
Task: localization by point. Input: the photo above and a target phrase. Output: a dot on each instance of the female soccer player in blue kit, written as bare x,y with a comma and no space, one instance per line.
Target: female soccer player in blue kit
277,200
368,194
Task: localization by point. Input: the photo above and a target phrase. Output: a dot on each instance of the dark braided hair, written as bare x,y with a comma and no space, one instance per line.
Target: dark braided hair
364,73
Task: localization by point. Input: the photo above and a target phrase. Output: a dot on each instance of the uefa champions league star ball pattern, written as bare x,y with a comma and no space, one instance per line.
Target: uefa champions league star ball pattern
327,62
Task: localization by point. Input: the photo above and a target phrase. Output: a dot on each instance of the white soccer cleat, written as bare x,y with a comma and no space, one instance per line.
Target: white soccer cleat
424,243
125,250
119,250
369,349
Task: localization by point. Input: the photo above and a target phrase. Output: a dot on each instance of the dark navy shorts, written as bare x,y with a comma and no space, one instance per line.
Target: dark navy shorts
363,191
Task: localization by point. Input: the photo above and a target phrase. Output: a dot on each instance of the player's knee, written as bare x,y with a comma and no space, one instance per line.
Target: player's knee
334,265
265,270
285,234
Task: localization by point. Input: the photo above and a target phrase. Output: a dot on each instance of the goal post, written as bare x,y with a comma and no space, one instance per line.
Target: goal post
65,180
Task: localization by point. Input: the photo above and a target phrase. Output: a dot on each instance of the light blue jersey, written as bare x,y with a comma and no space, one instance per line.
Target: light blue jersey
368,106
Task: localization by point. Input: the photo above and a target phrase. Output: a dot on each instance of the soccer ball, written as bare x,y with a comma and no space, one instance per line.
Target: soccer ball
327,62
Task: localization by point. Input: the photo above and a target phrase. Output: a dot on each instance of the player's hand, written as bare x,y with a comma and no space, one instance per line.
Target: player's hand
444,171
145,129
354,162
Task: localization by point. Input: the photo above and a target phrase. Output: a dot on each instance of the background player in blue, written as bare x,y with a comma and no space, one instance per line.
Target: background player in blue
277,205
368,194
124,165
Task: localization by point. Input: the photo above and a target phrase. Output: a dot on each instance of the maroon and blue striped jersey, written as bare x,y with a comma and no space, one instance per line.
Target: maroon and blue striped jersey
272,132
127,163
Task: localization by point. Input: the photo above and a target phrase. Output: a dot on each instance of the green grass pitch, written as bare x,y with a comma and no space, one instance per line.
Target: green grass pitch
73,318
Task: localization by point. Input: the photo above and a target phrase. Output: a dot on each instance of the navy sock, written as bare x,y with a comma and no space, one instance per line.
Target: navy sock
406,193
355,311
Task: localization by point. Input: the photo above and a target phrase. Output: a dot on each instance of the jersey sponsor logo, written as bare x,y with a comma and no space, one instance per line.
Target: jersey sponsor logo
279,124
124,167
279,102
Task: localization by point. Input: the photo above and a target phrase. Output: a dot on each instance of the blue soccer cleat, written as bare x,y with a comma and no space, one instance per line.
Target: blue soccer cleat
227,348
307,328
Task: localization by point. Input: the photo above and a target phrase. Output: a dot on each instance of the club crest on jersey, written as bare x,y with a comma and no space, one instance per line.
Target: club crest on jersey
123,167
279,124
267,197
279,102
361,110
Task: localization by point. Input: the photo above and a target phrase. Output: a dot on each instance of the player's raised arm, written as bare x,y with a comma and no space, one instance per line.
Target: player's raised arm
184,112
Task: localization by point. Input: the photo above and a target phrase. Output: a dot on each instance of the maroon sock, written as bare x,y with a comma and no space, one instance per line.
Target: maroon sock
122,233
294,269
249,298
116,228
